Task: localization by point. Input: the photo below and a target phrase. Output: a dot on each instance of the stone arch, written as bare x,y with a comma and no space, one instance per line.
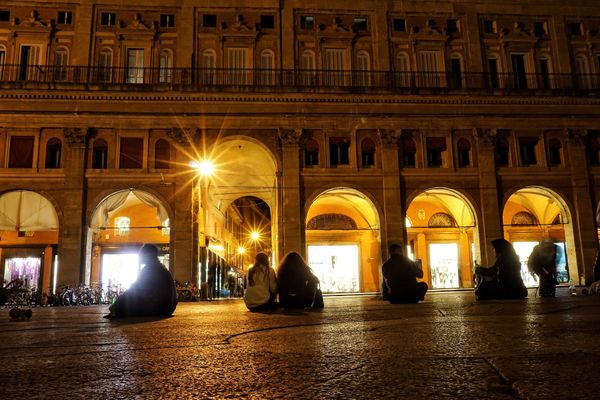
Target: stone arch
349,237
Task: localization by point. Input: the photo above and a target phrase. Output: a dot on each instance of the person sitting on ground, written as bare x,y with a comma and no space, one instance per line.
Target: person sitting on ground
262,285
504,276
152,294
400,275
542,262
297,284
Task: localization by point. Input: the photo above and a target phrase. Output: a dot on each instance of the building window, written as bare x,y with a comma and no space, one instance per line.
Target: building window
335,62
61,62
363,66
575,29
409,153
360,24
162,154
307,22
4,15
368,150
502,151
135,65
527,147
402,70
455,78
29,63
209,20
21,152
436,151
100,154
493,80
108,19
429,68
311,153
489,26
463,148
53,153
64,18
2,61
167,21
594,150
131,153
105,65
267,22
267,66
122,226
307,68
555,152
540,28
452,26
582,72
339,151
235,62
165,66
208,65
544,73
399,25
518,71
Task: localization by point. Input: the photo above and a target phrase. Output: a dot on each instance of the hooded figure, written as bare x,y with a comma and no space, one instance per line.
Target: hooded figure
542,262
503,279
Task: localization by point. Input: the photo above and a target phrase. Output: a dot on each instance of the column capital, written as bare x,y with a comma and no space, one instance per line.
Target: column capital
485,136
575,136
183,136
290,137
389,138
76,137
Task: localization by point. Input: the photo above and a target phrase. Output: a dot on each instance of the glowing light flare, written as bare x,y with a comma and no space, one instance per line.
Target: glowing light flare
241,250
204,167
254,235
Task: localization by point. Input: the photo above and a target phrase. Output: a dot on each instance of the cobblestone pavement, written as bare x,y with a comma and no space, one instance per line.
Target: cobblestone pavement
356,348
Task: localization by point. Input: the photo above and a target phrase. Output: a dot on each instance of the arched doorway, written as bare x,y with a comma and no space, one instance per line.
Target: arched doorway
239,214
533,214
121,223
29,232
442,232
343,241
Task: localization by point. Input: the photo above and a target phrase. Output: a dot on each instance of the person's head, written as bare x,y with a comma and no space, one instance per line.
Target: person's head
261,265
501,246
292,261
262,259
148,252
395,249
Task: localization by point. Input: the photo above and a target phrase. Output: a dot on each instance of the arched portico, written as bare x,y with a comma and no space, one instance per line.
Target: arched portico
442,232
343,240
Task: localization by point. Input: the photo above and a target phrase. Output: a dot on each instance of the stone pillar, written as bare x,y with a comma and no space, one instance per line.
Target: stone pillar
71,250
489,221
583,214
292,234
184,227
392,220
47,272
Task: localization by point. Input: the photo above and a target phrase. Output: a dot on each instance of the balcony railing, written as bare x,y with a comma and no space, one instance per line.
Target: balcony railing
257,80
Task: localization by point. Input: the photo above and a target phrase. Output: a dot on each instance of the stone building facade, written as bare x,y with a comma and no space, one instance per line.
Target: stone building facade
440,125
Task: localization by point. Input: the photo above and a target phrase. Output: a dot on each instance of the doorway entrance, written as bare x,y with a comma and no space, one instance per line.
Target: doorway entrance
336,266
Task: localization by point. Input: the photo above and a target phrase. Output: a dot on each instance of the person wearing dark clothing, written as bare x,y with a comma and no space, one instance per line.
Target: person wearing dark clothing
400,278
542,262
152,294
503,279
297,284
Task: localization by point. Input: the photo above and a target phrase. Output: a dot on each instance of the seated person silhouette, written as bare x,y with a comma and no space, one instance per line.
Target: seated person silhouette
503,279
297,284
400,275
152,294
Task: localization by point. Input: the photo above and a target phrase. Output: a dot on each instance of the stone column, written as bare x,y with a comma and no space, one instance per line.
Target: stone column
184,227
583,215
489,221
71,251
292,234
392,220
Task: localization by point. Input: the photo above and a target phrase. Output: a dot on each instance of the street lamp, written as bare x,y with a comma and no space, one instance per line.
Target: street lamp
204,170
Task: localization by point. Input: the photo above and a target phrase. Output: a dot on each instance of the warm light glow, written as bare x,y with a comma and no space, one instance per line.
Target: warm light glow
204,167
216,247
241,250
254,235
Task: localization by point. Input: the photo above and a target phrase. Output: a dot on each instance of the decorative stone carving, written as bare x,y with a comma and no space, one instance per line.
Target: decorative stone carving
76,136
331,222
389,138
138,23
290,137
485,136
575,136
183,136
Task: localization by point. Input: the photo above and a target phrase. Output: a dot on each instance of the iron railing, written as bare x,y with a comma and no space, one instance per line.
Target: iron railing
215,79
